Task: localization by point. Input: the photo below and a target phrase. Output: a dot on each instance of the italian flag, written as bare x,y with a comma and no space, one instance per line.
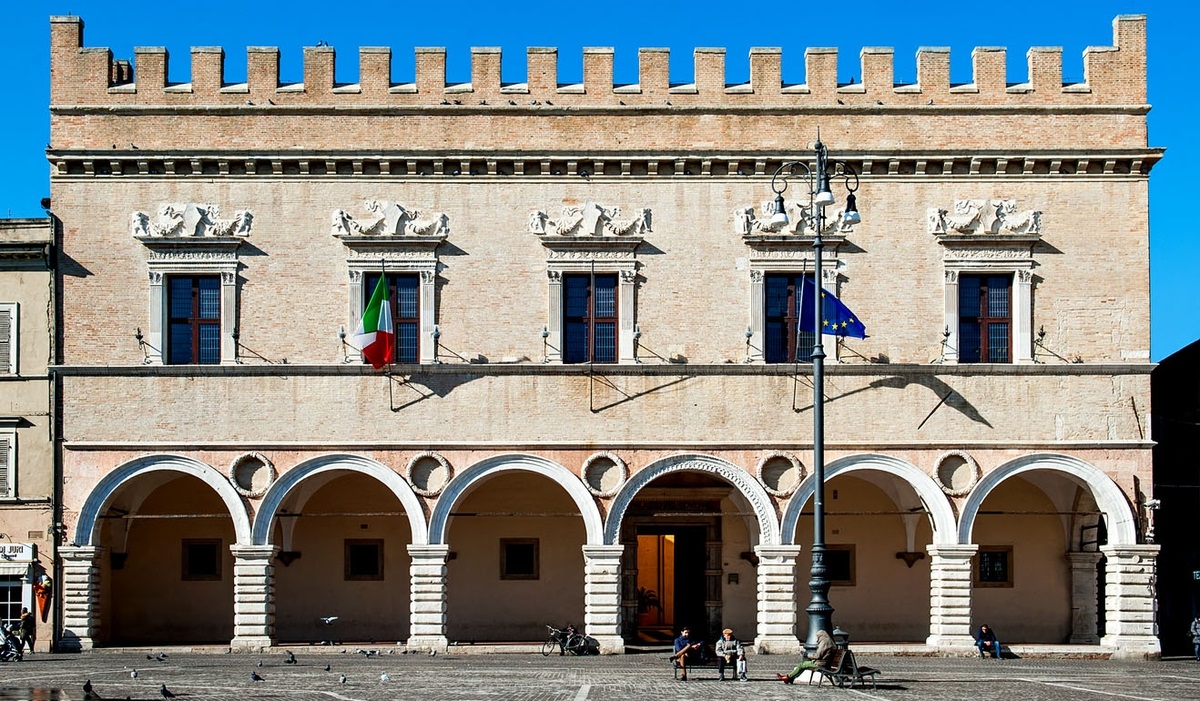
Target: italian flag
374,335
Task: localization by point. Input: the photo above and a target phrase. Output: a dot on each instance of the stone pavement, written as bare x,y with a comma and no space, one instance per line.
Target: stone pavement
518,676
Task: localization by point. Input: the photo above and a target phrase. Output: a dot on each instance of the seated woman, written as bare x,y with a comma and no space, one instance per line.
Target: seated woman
821,657
986,641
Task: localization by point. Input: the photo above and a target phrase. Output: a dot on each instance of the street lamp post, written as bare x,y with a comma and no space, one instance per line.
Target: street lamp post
817,176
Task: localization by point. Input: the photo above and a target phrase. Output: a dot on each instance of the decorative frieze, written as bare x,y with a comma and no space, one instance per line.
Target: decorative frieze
995,216
387,218
801,221
590,220
173,220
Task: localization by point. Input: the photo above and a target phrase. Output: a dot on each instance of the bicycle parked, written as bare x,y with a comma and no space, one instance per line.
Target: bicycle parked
566,640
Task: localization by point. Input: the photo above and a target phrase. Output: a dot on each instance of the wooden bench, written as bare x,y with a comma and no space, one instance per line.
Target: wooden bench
843,670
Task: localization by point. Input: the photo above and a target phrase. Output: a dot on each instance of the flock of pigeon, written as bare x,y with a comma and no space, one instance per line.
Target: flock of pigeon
90,693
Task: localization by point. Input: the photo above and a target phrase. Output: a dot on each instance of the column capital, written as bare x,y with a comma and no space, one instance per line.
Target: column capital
780,551
253,552
1130,551
80,553
597,552
429,551
952,550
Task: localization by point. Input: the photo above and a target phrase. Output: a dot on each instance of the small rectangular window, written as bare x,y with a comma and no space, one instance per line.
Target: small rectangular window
8,464
519,558
994,566
363,560
201,559
193,320
840,565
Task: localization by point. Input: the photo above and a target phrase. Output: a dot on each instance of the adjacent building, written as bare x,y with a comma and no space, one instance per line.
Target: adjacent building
601,406
28,474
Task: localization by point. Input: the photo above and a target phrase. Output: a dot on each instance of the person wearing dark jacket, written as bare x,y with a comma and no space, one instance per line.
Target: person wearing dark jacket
685,649
986,641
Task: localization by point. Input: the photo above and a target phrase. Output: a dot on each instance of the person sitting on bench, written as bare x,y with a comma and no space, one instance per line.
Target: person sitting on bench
820,658
986,641
730,651
685,649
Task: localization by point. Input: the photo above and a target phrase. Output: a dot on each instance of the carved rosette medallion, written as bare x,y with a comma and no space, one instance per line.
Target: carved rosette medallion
428,473
604,473
251,474
780,473
956,473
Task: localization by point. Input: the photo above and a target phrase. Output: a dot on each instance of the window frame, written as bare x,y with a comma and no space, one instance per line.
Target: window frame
425,268
347,574
762,267
977,567
9,365
370,278
185,572
505,574
792,330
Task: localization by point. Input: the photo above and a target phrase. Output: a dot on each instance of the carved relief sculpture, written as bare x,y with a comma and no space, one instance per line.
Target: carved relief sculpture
190,220
590,220
800,221
998,216
388,218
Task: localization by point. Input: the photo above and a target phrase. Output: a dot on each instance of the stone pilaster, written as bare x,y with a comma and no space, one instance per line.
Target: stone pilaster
427,628
602,596
253,596
777,602
1084,602
1129,597
80,597
950,596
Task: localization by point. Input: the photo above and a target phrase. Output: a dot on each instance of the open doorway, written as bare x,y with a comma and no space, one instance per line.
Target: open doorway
671,580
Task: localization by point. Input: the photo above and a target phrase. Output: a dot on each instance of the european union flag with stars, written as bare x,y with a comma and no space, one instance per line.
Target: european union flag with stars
838,319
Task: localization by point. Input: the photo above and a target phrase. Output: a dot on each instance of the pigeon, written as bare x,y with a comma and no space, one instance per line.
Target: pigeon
432,653
328,620
385,677
161,657
166,693
290,659
326,668
260,663
133,674
341,679
255,677
87,689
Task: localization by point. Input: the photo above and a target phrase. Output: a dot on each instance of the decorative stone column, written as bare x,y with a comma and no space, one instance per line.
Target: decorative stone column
1129,601
602,596
777,604
950,597
1084,603
427,620
80,597
253,596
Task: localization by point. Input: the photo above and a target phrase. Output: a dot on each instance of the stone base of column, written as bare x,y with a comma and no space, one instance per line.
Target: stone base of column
1084,640
610,644
777,645
952,643
251,643
69,642
1133,647
434,643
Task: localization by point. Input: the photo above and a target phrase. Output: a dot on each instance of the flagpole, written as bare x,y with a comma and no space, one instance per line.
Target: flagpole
796,352
388,301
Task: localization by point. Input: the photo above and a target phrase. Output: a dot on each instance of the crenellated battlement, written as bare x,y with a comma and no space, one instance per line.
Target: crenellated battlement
1113,75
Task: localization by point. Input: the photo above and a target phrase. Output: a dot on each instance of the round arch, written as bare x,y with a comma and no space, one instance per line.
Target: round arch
329,463
936,505
734,475
1109,497
462,483
102,494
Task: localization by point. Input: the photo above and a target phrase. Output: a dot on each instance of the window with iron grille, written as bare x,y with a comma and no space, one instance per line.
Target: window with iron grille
519,558
404,297
201,559
193,320
994,566
363,559
783,340
589,318
985,318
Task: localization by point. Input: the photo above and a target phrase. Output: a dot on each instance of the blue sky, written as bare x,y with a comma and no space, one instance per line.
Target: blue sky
1173,26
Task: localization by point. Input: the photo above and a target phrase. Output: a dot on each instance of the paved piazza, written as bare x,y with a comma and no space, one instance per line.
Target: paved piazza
503,677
